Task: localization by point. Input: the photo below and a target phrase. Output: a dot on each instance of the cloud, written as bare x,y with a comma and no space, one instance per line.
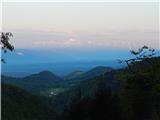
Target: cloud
129,40
20,53
107,39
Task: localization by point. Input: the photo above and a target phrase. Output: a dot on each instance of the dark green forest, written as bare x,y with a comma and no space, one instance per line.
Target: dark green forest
17,104
137,99
129,93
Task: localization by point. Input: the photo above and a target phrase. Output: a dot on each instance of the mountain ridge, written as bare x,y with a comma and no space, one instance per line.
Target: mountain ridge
45,81
96,71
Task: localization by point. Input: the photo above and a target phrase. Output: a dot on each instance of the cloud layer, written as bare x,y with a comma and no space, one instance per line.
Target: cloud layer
110,39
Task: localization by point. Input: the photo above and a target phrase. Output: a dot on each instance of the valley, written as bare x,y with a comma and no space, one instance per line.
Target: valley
62,95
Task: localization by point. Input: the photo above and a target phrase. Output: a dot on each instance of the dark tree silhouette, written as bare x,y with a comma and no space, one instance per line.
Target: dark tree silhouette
143,54
5,45
140,96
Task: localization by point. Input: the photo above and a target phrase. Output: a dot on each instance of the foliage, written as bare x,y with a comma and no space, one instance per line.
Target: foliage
5,37
143,54
104,105
140,96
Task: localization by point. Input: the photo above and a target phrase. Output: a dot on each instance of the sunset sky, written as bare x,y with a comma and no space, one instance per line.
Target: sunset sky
82,25
66,36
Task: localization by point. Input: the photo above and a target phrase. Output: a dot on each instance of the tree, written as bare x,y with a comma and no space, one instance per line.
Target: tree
141,85
143,54
5,37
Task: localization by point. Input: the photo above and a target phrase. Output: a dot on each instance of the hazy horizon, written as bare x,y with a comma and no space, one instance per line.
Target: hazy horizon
114,25
77,33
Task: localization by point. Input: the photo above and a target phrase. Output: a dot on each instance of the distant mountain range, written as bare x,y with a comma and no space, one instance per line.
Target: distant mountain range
44,76
60,90
79,75
46,80
24,62
32,56
41,90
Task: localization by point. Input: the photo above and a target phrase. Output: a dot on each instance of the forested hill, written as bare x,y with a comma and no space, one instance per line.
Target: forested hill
46,81
97,71
34,83
17,104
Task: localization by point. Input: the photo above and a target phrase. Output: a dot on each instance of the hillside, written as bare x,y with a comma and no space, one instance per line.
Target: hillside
97,71
17,104
36,82
85,88
47,83
73,75
61,91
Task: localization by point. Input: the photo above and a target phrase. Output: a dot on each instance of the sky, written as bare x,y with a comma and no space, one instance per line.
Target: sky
82,25
76,35
80,0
